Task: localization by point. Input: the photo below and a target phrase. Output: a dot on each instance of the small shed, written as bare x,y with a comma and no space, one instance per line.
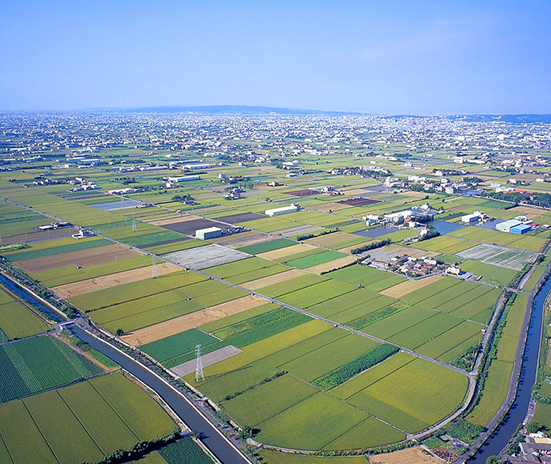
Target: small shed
206,234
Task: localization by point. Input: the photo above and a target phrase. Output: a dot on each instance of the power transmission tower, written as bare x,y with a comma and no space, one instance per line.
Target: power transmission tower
154,269
134,226
199,366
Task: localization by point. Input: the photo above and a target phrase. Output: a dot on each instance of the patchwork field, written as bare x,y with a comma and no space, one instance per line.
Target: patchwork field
400,290
113,280
498,256
273,279
36,364
206,256
68,425
17,320
190,321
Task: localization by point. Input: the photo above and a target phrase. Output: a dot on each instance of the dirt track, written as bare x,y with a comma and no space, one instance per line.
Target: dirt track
112,280
190,321
82,258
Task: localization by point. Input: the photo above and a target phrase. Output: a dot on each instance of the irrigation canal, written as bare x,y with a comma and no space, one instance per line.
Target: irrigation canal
210,436
495,444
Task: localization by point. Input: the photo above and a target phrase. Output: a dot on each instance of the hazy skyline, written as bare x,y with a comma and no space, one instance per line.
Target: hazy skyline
424,57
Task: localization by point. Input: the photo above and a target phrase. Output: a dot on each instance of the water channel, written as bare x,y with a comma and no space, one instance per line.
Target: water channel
227,454
499,439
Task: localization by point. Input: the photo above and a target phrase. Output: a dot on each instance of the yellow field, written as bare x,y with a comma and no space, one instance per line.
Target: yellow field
273,279
354,191
190,321
112,280
398,291
288,251
415,455
335,264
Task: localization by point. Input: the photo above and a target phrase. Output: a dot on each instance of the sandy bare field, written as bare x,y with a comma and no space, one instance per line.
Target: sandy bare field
190,321
171,220
112,280
273,279
355,191
288,251
398,291
325,207
207,359
246,239
82,258
335,264
400,250
232,238
415,455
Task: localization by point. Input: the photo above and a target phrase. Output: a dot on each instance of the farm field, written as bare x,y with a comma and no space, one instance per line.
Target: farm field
36,364
68,425
527,243
445,245
267,246
490,273
207,318
331,265
16,320
206,256
498,256
400,290
113,280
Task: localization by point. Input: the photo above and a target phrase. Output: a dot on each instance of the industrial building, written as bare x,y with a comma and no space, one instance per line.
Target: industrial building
283,210
475,217
206,234
513,227
196,167
175,180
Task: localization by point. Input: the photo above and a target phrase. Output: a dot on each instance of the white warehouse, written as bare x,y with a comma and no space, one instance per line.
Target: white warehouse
283,210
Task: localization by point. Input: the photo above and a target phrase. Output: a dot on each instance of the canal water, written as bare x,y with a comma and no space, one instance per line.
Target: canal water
499,439
24,295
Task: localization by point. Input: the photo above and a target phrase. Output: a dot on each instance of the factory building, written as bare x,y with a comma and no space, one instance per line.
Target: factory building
283,210
206,234
513,227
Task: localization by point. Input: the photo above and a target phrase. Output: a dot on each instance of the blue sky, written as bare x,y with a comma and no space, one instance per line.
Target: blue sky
414,57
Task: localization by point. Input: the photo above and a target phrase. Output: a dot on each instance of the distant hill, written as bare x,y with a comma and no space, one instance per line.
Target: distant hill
232,109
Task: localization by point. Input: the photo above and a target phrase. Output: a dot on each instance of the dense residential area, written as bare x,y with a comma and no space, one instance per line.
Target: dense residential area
314,288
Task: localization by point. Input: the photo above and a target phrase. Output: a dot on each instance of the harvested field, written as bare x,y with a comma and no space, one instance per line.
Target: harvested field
398,291
273,279
39,235
415,455
331,265
330,239
112,280
244,239
189,227
206,256
358,201
287,251
82,258
297,230
303,193
170,220
190,321
242,217
208,359
328,207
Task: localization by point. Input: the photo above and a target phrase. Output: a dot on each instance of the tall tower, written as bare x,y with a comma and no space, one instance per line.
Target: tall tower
134,226
154,269
199,366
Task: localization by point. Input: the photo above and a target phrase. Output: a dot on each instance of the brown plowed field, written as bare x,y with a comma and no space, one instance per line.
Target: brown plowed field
330,239
335,264
273,279
398,291
190,321
287,251
244,239
112,280
325,207
82,258
415,455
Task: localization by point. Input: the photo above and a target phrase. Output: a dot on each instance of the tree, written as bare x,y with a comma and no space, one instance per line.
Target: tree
246,432
494,460
534,427
119,332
